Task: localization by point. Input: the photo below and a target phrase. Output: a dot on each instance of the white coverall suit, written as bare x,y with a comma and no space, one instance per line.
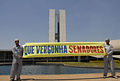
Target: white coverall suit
17,62
109,60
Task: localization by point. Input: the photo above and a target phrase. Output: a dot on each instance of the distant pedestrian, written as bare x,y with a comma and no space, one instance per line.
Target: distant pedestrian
108,59
17,61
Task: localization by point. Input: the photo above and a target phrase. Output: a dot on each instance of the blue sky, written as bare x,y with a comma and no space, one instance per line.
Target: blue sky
86,20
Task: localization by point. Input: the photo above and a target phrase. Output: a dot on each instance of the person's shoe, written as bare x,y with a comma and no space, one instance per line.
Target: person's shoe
18,79
104,77
11,79
115,77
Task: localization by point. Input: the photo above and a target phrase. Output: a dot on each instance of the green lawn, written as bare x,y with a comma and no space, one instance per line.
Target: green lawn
85,64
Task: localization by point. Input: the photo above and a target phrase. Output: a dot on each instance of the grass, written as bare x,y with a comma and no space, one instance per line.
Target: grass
85,64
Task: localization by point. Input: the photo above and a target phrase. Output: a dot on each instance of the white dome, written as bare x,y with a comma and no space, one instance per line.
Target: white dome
115,44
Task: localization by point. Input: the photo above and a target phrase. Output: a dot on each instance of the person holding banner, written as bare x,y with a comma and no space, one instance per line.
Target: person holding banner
108,59
17,61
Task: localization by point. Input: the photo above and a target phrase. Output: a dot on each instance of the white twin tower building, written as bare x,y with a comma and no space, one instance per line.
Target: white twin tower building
57,26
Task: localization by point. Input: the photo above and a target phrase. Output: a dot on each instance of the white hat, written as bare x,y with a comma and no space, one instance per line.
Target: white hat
107,39
16,40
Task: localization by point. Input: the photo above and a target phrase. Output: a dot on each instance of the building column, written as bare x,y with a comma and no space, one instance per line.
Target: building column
51,25
62,25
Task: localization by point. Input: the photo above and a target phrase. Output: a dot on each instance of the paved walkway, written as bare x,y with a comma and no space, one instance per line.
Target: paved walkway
63,77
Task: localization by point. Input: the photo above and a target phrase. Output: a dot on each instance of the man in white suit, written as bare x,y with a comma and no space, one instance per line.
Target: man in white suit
108,59
17,61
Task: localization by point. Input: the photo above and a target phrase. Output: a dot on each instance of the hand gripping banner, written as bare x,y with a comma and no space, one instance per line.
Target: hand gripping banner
59,49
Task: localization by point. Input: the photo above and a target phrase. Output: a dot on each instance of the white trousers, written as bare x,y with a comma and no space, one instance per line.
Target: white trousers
109,60
16,70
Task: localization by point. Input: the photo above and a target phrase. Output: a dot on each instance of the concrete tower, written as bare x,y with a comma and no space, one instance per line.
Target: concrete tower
62,25
60,35
51,25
